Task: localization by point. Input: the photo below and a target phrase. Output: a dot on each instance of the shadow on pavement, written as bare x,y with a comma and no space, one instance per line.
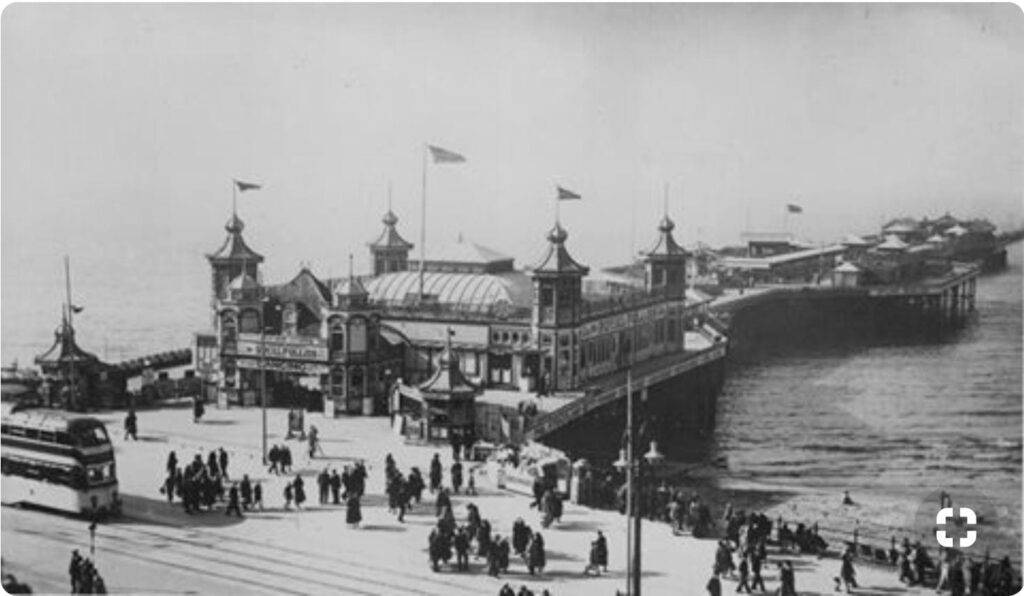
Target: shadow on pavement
141,510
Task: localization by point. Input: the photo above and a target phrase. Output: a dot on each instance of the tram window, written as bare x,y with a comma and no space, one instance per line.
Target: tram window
32,433
64,438
16,431
47,435
90,437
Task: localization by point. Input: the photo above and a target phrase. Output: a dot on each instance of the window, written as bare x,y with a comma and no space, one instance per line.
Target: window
338,339
249,322
547,297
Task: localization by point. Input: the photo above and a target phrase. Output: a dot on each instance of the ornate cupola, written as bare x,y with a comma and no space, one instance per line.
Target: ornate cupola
665,262
389,252
350,294
233,259
557,303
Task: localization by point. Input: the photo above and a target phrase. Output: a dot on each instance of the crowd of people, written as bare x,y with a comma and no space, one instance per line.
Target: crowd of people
201,484
85,578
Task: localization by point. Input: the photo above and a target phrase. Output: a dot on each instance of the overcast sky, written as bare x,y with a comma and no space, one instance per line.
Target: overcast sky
122,125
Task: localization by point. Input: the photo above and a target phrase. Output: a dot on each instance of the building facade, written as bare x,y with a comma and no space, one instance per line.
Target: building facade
341,344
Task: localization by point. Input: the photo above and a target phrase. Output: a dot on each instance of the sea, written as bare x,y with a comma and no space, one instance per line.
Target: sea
895,425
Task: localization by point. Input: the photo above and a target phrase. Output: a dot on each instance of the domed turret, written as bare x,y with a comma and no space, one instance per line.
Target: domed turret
389,253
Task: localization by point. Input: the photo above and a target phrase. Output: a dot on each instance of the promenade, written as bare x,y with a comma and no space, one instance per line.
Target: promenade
157,548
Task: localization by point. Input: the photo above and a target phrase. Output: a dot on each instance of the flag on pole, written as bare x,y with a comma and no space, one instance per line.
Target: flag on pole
566,195
440,155
794,208
77,309
244,186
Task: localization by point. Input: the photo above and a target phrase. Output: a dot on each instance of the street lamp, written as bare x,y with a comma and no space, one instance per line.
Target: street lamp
633,466
263,370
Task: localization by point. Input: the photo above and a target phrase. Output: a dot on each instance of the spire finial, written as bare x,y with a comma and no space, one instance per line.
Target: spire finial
350,274
665,209
389,196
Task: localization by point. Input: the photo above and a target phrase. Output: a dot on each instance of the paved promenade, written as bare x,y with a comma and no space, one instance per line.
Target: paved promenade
157,548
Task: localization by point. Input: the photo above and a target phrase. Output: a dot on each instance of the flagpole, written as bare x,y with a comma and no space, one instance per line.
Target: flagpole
557,209
69,332
423,221
234,199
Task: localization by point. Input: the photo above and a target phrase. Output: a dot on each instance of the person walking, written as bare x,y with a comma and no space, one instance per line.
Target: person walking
847,574
245,488
75,570
714,585
335,482
787,578
288,495
536,556
353,514
300,491
257,496
593,561
755,567
435,473
131,426
742,583
461,549
233,501
223,461
323,482
456,475
172,463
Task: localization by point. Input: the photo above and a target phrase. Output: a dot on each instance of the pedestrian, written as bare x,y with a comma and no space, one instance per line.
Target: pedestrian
197,410
223,461
288,494
168,486
98,585
524,591
787,578
535,554
353,514
520,536
257,496
246,491
172,463
456,475
756,560
714,585
323,481
593,561
461,549
847,574
443,501
233,501
314,442
602,551
286,459
416,485
435,473
335,483
507,590
471,482
131,428
211,464
300,491
742,583
273,457
74,570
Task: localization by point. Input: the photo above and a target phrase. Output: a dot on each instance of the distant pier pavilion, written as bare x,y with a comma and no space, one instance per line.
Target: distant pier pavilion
373,344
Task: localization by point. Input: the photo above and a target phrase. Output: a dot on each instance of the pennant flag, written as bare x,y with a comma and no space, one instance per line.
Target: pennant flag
444,156
792,208
244,186
566,195
77,309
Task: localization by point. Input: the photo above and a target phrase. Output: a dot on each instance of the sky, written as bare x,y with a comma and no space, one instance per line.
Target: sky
122,126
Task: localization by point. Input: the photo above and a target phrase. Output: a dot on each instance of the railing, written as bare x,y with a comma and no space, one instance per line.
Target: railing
474,312
555,419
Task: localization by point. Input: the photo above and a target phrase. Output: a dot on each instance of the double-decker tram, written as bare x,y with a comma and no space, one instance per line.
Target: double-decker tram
58,460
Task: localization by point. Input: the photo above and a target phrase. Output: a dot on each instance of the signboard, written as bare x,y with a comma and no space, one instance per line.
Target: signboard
289,366
282,348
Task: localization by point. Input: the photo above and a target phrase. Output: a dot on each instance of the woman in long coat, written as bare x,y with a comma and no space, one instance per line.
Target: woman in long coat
300,492
353,512
536,559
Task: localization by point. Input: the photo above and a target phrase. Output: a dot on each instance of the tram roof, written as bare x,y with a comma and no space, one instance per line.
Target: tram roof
52,420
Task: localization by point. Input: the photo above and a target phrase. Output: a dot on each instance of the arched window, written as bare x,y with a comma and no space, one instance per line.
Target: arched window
338,337
228,330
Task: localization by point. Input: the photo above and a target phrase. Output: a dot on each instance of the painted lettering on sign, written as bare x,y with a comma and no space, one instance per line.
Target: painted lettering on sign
283,351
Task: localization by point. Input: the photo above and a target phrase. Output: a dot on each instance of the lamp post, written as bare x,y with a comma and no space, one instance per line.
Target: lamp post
263,370
633,467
